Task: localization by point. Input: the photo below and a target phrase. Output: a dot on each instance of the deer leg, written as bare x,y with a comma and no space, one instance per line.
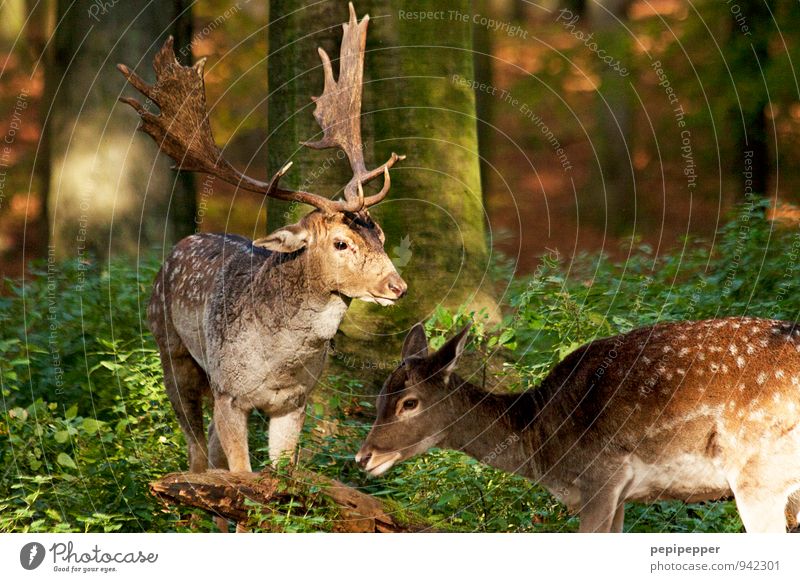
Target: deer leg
761,511
762,490
793,509
619,518
230,426
186,383
603,507
598,511
284,432
216,455
217,460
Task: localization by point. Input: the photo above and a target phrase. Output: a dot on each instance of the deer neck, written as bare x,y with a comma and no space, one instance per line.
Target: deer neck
501,430
302,296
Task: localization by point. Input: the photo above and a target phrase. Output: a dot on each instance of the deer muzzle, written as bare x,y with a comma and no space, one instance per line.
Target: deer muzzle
375,462
388,291
396,286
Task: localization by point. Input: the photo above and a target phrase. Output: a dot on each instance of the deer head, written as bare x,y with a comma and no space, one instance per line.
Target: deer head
339,239
414,412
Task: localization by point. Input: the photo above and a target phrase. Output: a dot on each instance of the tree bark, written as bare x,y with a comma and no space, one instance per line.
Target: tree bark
749,59
226,494
612,201
110,191
434,216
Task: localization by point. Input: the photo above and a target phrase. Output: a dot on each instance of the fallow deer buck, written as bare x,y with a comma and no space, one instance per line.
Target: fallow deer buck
248,322
687,411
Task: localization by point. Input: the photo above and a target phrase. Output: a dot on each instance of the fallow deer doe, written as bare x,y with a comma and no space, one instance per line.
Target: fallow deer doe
248,322
688,411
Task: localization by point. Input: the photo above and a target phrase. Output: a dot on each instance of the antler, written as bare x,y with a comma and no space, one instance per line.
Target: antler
338,112
182,130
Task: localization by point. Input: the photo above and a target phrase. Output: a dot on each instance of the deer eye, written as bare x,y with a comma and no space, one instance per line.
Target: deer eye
410,404
340,245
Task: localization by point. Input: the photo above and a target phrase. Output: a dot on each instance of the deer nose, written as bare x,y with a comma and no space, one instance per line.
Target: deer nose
363,459
397,286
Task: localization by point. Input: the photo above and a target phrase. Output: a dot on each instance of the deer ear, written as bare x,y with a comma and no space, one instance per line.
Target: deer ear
415,344
445,359
285,240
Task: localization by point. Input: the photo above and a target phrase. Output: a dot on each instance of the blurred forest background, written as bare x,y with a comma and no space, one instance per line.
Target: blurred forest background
575,169
729,65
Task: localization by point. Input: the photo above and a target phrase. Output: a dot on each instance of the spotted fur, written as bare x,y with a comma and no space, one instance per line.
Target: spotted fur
689,411
249,326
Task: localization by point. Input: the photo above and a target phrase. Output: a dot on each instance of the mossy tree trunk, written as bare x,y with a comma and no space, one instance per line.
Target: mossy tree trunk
612,195
434,216
110,191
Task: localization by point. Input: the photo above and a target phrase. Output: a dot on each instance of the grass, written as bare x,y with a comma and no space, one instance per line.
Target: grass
85,423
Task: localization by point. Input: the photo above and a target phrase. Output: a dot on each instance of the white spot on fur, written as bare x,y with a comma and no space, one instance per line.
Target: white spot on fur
761,378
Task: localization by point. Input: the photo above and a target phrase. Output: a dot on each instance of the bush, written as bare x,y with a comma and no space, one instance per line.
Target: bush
85,422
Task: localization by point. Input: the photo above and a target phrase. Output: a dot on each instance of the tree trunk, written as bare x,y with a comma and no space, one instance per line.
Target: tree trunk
110,191
231,495
483,66
748,58
612,196
434,216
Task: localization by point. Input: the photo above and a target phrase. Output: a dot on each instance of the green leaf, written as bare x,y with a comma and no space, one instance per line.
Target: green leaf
71,412
91,426
506,336
61,436
65,460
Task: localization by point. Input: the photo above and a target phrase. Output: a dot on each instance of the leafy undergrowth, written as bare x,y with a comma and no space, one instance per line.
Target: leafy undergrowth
85,423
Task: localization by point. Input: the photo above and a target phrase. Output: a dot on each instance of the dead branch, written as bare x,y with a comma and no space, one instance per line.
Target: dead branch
226,494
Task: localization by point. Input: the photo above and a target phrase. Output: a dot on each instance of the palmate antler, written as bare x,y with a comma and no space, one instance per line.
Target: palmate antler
338,112
182,130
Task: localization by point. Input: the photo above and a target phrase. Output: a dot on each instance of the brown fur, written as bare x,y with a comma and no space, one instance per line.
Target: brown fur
248,322
690,411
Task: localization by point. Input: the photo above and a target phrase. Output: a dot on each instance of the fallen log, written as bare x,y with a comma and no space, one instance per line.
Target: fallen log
234,496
